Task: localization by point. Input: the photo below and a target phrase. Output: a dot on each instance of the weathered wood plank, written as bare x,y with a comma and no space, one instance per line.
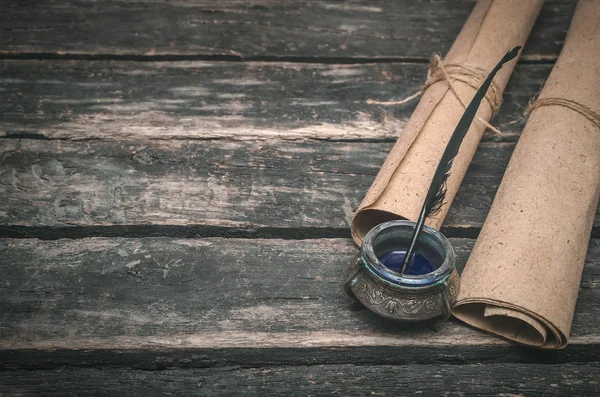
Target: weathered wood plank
231,184
208,100
379,380
209,294
256,29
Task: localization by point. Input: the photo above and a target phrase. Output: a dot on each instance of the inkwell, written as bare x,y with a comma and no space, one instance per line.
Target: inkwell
405,270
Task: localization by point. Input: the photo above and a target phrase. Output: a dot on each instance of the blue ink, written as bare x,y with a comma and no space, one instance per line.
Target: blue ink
420,265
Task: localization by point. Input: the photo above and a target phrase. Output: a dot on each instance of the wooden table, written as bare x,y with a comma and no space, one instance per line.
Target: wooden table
177,180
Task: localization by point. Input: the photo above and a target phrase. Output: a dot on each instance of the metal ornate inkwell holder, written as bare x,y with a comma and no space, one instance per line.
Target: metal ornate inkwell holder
406,297
405,270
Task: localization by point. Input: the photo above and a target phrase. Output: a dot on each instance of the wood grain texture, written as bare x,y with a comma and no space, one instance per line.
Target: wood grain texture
231,184
257,29
202,295
282,148
217,100
336,380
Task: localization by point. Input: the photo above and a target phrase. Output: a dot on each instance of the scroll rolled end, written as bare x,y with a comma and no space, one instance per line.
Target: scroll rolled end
367,218
510,323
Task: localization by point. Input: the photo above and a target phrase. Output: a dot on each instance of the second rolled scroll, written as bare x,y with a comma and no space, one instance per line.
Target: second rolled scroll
401,185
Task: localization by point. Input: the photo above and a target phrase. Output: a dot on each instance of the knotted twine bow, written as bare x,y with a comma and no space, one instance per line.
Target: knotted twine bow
473,77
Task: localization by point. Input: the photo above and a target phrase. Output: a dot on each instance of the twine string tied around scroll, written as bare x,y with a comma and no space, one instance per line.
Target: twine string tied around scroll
567,103
473,77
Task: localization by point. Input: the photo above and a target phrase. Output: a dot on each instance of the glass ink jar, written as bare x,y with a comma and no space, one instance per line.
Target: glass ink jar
424,293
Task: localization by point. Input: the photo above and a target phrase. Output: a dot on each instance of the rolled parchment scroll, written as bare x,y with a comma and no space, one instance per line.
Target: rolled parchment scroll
522,279
493,28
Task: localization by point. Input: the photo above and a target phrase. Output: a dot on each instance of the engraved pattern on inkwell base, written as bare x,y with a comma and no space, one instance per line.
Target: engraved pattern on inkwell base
453,287
378,297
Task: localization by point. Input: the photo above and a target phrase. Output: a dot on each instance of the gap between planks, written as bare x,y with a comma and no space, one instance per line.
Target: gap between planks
208,231
497,380
205,231
527,59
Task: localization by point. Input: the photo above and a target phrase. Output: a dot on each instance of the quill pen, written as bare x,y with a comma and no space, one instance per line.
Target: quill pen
437,190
